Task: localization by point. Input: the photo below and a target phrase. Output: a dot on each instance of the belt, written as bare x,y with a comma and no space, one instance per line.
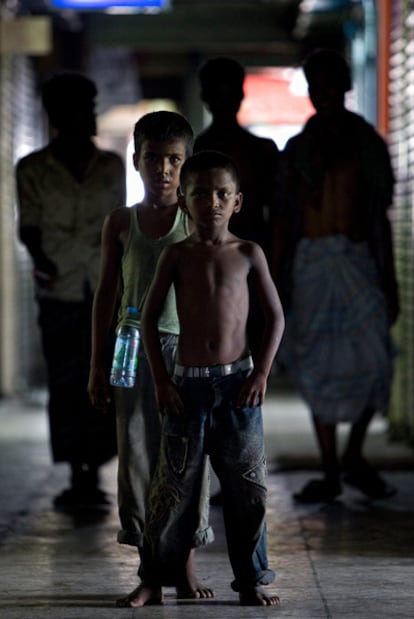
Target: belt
213,370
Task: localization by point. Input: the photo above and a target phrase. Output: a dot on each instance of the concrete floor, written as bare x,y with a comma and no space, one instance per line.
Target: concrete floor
352,558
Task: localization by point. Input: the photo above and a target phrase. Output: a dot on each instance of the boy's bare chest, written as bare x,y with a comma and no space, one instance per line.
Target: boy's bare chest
211,270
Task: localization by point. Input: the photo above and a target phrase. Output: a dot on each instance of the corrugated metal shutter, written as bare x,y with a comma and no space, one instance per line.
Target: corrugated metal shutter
21,360
401,139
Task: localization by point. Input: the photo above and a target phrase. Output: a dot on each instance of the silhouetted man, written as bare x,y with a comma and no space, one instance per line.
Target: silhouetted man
221,81
64,192
338,186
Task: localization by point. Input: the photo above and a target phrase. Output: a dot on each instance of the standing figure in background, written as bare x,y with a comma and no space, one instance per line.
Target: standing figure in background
257,159
65,190
337,182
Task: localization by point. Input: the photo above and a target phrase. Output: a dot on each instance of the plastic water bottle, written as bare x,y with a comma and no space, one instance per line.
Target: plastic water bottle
125,359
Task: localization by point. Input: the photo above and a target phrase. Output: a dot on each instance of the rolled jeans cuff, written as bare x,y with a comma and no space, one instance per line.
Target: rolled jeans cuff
266,577
130,538
202,537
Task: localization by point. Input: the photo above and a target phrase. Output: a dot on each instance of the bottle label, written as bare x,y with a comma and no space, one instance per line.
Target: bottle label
119,353
125,359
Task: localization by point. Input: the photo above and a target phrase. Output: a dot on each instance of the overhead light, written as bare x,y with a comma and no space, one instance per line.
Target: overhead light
91,5
320,6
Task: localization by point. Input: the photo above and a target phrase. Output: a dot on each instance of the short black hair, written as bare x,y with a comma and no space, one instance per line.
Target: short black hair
64,90
332,63
163,126
207,160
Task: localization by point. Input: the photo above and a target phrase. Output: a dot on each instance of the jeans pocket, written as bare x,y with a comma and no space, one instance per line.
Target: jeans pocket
177,453
257,475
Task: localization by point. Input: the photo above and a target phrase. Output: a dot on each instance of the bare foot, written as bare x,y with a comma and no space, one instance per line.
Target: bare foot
141,596
194,591
257,596
190,588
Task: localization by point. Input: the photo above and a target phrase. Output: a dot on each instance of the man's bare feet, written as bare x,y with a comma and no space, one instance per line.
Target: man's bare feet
141,596
190,588
257,596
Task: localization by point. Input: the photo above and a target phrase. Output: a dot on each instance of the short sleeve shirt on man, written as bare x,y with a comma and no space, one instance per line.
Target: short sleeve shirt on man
69,214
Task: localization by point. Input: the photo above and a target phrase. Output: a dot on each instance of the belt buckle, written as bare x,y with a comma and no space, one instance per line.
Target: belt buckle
227,369
204,372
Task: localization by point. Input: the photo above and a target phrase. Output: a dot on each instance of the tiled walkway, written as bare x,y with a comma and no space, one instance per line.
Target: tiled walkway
352,558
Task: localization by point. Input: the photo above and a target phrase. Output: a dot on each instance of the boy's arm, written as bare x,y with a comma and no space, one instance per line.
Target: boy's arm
168,400
104,304
254,390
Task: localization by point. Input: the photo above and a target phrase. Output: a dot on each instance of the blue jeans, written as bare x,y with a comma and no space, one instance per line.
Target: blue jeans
233,438
138,434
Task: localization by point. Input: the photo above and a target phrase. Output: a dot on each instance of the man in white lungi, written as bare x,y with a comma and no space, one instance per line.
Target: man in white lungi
342,293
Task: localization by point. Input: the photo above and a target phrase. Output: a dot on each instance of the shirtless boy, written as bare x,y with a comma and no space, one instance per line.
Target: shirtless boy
132,241
213,402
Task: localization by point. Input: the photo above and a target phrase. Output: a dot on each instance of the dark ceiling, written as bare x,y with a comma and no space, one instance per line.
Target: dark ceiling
167,46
